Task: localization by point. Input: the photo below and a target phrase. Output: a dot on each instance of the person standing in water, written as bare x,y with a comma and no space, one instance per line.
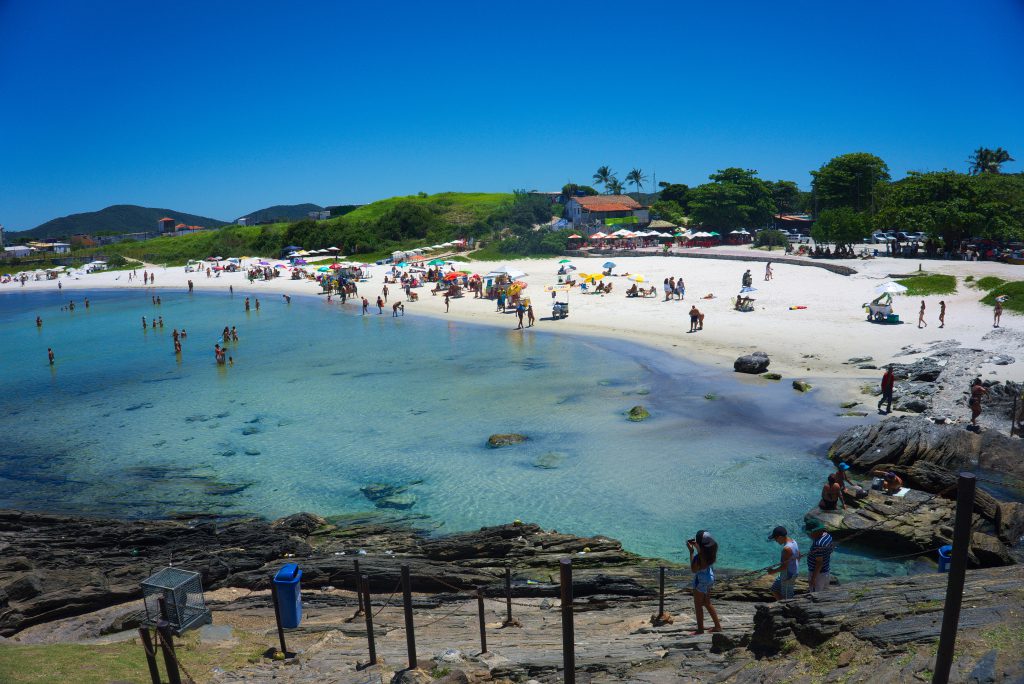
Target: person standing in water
143,322
703,554
86,302
380,305
49,353
257,304
246,303
39,322
530,317
366,305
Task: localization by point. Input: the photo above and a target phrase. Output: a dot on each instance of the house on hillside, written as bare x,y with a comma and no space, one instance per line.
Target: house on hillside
319,215
597,209
165,225
55,247
83,240
245,221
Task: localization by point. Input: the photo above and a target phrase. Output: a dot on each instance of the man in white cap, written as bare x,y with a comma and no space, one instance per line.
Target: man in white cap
789,564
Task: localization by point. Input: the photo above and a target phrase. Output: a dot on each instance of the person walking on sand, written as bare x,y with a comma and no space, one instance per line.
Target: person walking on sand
385,293
997,313
789,564
942,313
520,311
694,318
668,290
703,554
977,392
921,323
888,383
530,317
768,271
447,302
819,558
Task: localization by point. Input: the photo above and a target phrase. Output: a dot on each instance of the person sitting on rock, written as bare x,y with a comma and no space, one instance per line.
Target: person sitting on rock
831,494
891,482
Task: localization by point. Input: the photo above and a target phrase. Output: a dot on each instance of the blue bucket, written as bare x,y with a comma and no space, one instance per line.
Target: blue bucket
945,555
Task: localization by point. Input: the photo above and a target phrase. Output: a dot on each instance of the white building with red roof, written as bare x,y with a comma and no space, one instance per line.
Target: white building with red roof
594,209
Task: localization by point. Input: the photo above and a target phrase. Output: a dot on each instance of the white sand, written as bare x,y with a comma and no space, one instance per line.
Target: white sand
812,343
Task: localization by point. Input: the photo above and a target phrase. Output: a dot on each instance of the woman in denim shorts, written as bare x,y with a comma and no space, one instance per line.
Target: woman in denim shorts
703,554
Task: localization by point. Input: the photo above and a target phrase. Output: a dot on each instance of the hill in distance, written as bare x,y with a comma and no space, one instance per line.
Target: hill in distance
282,213
119,218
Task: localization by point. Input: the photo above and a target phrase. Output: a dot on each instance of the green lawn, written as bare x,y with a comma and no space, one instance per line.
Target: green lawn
929,284
458,208
1015,292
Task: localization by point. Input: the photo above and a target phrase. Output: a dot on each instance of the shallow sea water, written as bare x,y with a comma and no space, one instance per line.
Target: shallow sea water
321,402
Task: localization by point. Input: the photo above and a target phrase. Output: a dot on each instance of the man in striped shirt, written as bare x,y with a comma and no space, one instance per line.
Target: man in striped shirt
820,555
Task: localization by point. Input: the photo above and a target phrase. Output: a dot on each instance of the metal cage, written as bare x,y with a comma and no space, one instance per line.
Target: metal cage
182,593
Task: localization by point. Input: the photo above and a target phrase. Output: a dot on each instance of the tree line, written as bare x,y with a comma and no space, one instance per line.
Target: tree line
851,195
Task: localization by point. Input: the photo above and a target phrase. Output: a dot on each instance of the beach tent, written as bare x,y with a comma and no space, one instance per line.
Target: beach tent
598,236
574,236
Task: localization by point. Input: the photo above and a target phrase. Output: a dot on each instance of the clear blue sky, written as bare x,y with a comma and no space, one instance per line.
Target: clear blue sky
220,108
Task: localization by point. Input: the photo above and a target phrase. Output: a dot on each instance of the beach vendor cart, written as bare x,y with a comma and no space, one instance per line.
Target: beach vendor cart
559,309
880,309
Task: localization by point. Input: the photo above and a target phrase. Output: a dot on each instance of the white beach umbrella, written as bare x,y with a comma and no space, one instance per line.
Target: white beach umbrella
890,288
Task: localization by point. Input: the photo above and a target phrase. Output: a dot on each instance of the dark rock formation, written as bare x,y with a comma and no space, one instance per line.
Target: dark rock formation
801,386
500,440
887,613
771,376
754,364
905,440
56,566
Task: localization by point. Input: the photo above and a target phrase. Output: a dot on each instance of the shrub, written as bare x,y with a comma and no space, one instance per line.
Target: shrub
771,238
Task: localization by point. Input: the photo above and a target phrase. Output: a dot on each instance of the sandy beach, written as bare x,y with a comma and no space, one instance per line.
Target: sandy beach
811,343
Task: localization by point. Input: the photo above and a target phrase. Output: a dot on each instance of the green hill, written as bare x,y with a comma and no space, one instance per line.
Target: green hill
280,213
119,218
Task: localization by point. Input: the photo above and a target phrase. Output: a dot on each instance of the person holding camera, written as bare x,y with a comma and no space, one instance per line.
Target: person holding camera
703,554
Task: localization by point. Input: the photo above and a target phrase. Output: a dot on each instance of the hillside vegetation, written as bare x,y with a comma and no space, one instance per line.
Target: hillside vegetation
119,218
371,231
282,213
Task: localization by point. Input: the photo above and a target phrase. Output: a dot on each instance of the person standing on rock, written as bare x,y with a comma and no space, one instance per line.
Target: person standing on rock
820,556
789,564
888,383
977,392
921,323
703,554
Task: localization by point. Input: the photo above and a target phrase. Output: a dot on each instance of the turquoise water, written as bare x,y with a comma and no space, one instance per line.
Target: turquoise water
321,402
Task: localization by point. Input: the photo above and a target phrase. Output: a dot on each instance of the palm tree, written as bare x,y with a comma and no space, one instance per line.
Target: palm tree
637,178
985,160
614,186
603,175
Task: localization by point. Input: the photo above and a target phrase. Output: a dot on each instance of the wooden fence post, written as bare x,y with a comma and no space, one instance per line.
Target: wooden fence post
957,572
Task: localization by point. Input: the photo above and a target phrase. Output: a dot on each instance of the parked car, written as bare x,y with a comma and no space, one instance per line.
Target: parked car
880,238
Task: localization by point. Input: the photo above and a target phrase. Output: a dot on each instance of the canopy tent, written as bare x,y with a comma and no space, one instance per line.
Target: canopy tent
890,287
659,224
598,236
574,236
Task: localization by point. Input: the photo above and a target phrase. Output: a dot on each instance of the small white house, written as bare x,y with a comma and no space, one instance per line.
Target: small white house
60,247
319,215
17,251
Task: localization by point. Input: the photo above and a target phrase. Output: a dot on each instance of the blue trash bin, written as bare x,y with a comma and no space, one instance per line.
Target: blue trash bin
945,555
289,595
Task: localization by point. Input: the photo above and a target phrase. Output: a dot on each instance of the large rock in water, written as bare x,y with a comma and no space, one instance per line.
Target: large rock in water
755,363
904,440
915,522
506,439
638,413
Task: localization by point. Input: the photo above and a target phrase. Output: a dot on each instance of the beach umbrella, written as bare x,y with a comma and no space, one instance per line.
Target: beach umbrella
574,236
744,290
333,249
563,261
436,262
323,269
890,288
402,264
637,278
598,236
593,277
514,275
335,267
608,264
453,276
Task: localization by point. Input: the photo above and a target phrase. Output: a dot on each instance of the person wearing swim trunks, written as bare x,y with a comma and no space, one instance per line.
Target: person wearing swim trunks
703,554
789,564
694,318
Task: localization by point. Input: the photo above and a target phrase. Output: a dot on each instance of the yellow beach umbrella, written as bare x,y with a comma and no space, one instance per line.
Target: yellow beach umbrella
637,278
594,277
